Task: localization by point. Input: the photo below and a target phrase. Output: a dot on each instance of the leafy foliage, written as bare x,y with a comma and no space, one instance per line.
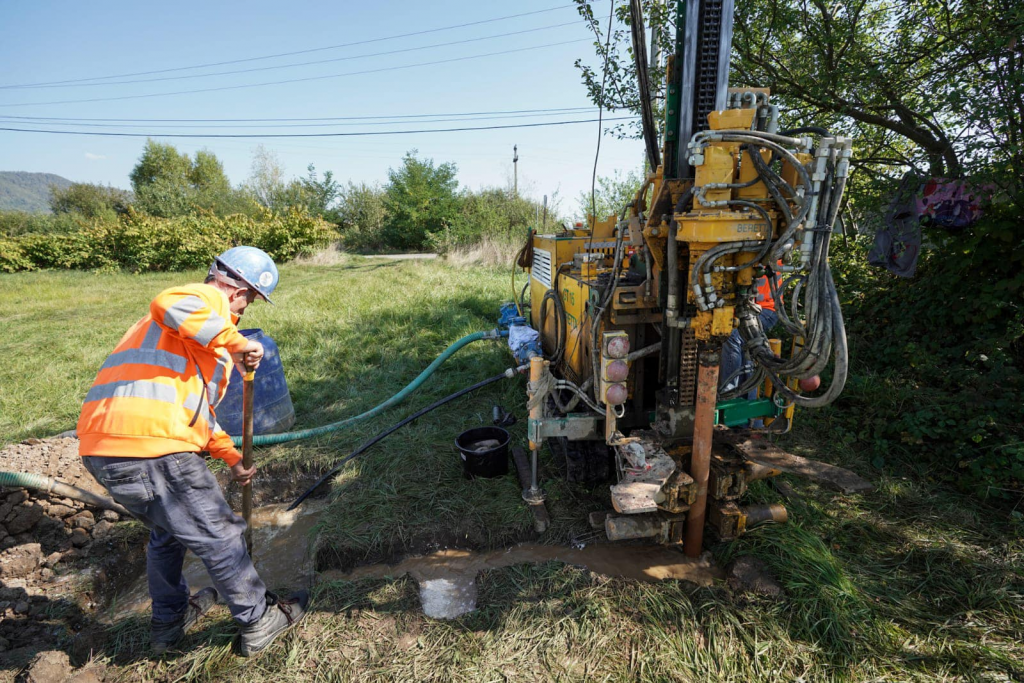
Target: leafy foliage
938,361
168,183
89,200
139,242
611,194
420,198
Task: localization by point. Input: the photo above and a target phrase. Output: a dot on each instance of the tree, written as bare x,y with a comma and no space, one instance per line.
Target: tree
611,194
934,86
89,200
420,199
266,177
160,162
168,183
362,217
320,195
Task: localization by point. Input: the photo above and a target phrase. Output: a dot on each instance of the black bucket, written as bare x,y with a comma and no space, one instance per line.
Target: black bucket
492,462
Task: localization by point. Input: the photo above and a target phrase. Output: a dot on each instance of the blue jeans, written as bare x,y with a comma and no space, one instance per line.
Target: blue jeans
178,499
734,358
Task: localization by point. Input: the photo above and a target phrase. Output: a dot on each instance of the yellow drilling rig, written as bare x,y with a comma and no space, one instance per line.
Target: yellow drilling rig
630,320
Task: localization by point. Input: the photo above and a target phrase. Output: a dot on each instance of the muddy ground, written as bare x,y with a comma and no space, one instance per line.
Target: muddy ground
62,561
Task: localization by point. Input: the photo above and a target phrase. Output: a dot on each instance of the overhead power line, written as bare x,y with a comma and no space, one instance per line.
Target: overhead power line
387,121
293,53
299,80
322,118
312,63
306,135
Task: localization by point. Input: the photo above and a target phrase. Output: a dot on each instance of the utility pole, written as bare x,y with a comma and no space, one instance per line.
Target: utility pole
515,170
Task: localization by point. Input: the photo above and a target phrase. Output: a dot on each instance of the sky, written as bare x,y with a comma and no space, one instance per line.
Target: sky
111,52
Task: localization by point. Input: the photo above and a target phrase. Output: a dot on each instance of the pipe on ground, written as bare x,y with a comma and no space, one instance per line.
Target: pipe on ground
55,487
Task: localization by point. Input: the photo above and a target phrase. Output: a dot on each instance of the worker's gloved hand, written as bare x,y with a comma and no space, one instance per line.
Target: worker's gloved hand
240,475
249,357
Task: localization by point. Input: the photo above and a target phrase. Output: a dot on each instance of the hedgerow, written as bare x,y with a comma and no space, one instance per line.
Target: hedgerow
139,242
937,368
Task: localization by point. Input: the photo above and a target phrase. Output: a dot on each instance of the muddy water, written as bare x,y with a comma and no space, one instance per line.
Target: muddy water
281,552
637,562
447,578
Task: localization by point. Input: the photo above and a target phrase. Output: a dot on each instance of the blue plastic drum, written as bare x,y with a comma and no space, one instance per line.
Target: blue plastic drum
272,404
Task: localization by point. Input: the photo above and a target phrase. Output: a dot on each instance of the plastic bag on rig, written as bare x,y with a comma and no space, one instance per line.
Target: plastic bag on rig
524,342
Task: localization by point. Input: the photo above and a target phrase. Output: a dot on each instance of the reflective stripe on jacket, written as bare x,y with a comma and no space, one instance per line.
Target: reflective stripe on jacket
155,394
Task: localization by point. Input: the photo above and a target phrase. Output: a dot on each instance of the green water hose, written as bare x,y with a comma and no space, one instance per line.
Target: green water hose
49,485
273,439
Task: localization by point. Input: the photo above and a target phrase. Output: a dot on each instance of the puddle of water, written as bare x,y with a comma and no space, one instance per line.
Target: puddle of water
447,578
637,562
280,550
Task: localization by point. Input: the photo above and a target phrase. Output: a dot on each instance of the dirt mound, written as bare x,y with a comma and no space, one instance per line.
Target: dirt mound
56,457
58,557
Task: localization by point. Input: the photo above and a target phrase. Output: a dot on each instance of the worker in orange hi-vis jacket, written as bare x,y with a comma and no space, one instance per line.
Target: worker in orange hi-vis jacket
144,422
736,366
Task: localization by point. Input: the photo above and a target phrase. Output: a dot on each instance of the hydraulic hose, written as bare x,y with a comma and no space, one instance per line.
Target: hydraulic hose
273,439
508,374
49,485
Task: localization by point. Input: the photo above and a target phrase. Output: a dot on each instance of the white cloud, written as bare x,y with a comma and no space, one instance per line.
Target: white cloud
94,157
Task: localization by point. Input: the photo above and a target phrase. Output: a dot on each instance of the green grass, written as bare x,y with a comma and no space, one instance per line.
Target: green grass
914,582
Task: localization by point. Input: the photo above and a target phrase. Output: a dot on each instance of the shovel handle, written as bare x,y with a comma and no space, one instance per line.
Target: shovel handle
247,414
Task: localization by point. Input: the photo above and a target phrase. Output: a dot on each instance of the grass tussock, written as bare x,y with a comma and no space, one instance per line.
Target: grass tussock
491,250
913,582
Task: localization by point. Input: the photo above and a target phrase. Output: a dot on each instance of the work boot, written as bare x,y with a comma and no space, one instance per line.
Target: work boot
280,616
165,636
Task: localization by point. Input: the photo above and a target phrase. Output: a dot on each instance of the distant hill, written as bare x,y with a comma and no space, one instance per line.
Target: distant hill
21,191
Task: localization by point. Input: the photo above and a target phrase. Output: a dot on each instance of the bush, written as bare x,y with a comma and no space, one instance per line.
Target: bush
938,360
90,200
139,242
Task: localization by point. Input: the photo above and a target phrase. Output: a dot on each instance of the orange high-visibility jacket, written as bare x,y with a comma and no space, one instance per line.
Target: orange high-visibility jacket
764,294
155,394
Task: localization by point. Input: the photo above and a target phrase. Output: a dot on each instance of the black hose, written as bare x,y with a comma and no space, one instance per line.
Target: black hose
392,429
561,324
817,130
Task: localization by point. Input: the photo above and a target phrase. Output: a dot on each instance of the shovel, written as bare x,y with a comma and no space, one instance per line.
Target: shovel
247,409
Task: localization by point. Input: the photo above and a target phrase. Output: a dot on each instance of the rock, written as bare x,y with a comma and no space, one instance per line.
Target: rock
21,607
23,518
83,520
8,542
18,497
32,441
79,538
749,574
60,511
46,573
5,509
52,666
4,644
102,528
20,560
110,516
51,560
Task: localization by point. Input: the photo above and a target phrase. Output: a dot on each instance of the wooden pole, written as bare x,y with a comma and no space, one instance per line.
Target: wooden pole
247,413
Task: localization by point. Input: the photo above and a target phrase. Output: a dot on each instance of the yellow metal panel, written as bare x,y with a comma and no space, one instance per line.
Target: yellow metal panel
731,119
721,226
721,322
719,167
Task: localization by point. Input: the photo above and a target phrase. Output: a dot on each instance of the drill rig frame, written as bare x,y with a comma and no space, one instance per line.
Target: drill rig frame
632,311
